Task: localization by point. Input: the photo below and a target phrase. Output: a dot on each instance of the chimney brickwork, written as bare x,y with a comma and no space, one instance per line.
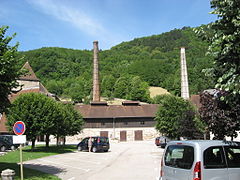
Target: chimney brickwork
96,85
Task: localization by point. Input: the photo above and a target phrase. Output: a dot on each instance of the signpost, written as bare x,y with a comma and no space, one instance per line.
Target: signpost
19,129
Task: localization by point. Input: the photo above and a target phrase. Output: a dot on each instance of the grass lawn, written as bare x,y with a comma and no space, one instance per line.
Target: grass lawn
10,160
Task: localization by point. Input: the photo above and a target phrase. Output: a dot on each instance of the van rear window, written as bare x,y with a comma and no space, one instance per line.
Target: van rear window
179,156
233,156
103,140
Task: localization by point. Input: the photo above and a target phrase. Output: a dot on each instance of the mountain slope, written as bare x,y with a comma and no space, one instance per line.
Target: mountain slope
155,59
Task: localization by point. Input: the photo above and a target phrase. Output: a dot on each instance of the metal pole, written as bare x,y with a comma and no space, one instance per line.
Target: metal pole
21,162
114,128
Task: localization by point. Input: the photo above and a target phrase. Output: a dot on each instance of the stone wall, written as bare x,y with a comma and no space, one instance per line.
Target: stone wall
148,133
29,84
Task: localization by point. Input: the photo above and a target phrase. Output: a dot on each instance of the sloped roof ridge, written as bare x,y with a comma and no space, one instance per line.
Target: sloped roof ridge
30,75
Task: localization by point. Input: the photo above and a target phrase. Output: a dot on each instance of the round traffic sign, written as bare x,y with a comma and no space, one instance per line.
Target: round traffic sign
19,128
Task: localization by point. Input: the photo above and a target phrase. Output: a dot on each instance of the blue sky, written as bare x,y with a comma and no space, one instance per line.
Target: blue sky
77,23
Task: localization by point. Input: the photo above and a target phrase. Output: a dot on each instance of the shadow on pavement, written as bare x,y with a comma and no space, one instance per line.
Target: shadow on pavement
31,170
45,168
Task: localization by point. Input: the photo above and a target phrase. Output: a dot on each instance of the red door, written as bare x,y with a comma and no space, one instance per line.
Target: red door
123,135
138,135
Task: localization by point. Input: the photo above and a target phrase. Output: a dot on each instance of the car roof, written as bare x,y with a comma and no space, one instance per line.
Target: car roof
96,137
203,143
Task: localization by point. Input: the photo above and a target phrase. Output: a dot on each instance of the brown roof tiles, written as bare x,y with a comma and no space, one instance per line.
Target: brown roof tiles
117,111
30,76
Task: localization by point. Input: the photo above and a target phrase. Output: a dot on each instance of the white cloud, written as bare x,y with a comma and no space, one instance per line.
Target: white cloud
68,14
80,19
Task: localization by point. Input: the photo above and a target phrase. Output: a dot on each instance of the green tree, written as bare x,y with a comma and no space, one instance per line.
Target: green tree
9,71
37,111
121,87
176,117
42,116
224,46
55,87
139,90
71,122
107,85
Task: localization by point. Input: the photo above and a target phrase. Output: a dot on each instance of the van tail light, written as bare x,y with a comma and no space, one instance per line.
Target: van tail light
197,171
98,140
161,171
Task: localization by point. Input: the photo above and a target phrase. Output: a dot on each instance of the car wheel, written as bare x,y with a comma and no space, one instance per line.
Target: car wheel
3,148
79,148
13,147
94,149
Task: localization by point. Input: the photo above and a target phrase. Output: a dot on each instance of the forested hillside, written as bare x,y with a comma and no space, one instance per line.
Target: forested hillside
127,69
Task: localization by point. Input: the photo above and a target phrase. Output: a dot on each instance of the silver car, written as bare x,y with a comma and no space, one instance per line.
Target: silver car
201,160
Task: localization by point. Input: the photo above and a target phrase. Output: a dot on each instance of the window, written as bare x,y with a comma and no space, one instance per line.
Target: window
179,156
104,140
213,158
233,156
125,123
142,122
103,123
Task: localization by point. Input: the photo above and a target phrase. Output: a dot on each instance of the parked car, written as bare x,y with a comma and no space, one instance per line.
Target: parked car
162,141
7,143
99,143
3,146
201,160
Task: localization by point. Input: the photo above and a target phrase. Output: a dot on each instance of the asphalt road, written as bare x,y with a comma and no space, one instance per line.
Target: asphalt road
125,161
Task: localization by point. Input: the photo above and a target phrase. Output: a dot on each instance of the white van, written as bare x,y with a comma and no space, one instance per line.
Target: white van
201,160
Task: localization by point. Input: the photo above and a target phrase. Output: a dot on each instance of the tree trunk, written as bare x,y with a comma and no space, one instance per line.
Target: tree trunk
64,140
47,140
33,143
57,140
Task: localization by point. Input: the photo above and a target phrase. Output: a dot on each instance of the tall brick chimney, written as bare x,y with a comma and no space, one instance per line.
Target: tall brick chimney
96,86
184,75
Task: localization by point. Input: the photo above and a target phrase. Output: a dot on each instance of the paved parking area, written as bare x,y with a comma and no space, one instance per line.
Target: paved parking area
125,160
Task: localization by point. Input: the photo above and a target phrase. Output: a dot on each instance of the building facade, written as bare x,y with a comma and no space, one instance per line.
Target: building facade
130,121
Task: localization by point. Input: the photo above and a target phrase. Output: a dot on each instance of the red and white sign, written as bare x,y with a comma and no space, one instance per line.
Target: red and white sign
19,128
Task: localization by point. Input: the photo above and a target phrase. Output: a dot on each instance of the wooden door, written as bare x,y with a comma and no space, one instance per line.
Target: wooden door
123,135
138,135
104,133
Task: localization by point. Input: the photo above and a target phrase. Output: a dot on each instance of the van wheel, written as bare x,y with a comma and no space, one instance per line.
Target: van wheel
13,147
79,148
94,149
3,148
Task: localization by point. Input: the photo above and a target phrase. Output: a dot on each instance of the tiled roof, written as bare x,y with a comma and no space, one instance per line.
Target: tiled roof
117,111
15,95
30,76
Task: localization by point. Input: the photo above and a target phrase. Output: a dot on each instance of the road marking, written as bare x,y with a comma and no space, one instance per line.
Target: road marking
93,162
72,178
64,165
